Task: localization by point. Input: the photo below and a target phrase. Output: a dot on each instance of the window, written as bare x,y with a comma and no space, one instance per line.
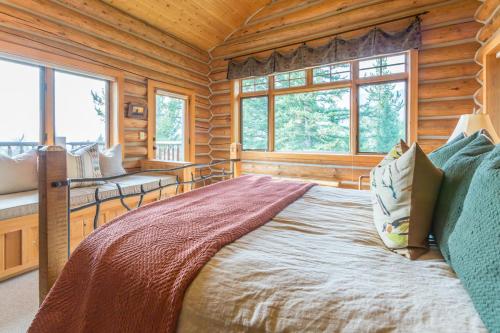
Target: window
20,96
255,84
382,116
81,110
383,66
171,110
313,121
355,107
254,123
332,73
290,80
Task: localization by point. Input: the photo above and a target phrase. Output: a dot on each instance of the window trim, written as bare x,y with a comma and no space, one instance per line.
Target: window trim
47,65
410,76
189,124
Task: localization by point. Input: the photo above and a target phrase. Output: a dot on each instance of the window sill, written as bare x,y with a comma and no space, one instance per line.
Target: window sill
313,156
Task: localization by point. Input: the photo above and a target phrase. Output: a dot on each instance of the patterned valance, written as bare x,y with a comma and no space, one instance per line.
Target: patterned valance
375,42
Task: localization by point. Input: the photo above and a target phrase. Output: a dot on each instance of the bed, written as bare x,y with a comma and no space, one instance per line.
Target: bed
277,256
320,266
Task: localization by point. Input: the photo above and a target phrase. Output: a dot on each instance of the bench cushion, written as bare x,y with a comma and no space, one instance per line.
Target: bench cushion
26,203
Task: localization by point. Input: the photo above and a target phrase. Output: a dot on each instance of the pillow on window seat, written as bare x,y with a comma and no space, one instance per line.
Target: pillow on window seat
110,161
474,244
404,193
458,172
18,173
84,163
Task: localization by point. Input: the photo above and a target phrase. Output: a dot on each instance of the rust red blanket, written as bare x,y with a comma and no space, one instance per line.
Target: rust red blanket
131,274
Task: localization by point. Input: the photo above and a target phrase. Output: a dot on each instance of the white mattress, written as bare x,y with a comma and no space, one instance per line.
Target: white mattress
320,266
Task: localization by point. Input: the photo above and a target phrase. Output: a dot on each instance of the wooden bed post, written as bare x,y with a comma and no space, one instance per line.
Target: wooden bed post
53,216
235,154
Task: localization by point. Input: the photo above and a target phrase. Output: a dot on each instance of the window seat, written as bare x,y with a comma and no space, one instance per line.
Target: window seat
26,203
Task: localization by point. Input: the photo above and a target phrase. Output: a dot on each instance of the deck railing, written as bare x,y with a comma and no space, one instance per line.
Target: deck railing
12,148
169,150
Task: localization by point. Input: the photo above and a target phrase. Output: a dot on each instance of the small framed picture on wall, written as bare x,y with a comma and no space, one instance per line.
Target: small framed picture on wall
137,111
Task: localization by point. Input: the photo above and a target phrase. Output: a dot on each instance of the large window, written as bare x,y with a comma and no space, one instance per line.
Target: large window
316,121
255,127
81,110
353,107
20,103
171,112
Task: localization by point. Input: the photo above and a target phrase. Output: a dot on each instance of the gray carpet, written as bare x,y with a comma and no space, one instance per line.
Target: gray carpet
18,302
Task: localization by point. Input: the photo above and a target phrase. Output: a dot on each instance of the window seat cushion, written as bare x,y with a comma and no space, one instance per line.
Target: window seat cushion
26,203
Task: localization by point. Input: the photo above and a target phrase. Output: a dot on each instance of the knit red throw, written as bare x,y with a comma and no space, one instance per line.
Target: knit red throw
131,274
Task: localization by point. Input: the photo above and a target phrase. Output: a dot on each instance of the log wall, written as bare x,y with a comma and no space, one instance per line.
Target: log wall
489,15
92,32
447,70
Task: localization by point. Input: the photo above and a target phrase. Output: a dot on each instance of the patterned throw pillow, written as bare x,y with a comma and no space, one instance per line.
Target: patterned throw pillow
474,244
404,193
84,163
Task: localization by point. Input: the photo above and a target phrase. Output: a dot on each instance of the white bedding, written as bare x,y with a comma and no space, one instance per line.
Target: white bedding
320,266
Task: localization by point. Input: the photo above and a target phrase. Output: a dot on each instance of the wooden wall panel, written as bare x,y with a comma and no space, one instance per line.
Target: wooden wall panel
447,69
93,32
489,15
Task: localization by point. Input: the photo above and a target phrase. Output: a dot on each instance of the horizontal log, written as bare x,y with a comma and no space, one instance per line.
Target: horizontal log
448,71
135,136
322,27
485,11
490,28
133,88
453,53
450,33
135,150
107,14
91,26
289,17
445,108
135,123
456,88
220,132
22,21
202,138
26,45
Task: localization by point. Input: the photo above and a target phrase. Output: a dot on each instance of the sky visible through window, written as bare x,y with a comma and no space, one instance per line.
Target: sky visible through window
76,116
20,102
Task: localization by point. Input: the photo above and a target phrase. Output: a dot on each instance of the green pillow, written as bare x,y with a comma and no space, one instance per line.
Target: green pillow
458,172
474,245
441,155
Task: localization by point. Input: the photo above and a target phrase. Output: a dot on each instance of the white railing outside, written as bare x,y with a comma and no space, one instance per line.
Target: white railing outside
169,150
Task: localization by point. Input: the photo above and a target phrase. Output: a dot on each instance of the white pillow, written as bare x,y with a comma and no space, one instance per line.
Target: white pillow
111,161
84,163
18,173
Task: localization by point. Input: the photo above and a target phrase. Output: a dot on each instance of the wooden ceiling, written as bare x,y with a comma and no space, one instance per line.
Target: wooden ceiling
203,23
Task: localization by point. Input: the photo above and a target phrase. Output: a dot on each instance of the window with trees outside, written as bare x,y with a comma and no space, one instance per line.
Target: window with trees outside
171,110
355,107
20,95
